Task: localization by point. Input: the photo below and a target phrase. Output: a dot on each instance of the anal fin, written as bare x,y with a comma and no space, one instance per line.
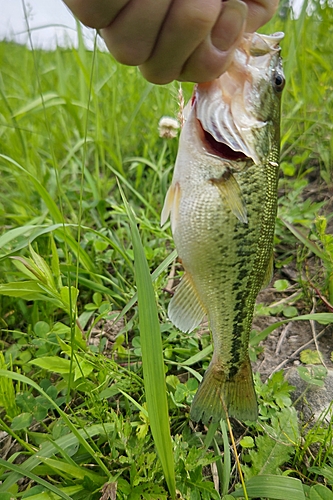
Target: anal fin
232,194
185,309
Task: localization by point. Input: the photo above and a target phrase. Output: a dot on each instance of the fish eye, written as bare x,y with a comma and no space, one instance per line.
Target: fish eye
278,82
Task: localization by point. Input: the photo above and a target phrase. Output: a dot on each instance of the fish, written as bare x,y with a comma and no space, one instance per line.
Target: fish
222,204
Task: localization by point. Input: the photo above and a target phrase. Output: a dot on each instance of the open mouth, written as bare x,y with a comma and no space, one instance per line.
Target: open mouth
219,148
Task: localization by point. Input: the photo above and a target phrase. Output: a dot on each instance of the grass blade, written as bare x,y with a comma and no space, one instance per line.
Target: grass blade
273,487
154,275
23,235
322,318
38,480
41,190
70,425
46,495
134,191
48,449
152,356
305,240
199,356
226,473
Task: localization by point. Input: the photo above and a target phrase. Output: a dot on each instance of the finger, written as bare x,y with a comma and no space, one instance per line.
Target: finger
131,37
214,55
96,13
187,24
260,12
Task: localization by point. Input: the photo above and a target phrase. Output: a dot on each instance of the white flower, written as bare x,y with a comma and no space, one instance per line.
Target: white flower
168,127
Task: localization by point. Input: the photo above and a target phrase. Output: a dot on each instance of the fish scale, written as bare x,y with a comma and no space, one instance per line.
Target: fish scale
232,272
223,201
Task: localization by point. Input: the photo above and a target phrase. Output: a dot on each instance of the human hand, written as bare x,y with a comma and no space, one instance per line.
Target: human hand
187,40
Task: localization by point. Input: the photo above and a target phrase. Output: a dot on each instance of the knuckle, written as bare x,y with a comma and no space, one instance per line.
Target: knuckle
156,77
201,18
204,66
83,11
260,12
126,51
95,15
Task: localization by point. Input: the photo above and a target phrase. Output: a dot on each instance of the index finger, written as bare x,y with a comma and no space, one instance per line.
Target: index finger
259,13
187,24
97,13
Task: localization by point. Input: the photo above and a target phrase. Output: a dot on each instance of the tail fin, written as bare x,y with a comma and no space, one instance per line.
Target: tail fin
218,394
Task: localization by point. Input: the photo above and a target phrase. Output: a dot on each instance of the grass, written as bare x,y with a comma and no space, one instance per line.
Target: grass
95,383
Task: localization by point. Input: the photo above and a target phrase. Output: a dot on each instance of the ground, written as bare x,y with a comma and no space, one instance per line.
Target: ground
283,346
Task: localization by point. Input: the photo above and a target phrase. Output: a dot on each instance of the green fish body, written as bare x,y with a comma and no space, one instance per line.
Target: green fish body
222,202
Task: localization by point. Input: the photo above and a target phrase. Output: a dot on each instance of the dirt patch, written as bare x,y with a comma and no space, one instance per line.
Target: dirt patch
282,348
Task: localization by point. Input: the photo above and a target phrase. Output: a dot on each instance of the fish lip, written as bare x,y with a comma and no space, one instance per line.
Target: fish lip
258,44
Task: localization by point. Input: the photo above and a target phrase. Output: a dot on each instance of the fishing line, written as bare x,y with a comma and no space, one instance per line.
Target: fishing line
233,443
79,219
84,156
241,477
72,318
48,130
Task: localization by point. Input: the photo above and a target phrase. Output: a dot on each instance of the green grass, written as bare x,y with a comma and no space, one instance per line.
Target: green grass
83,178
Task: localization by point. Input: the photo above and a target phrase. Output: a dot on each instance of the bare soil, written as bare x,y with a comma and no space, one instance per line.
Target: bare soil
282,348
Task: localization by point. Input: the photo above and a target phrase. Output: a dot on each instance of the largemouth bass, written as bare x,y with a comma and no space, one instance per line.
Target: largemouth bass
223,202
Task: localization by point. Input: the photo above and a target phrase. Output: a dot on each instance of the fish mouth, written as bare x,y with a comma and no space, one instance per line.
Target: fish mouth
225,118
217,148
229,109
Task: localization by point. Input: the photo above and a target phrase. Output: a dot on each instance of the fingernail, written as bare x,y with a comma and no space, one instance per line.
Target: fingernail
230,24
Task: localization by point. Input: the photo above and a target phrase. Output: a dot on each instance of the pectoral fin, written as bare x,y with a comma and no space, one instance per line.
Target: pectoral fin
171,205
232,194
185,309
